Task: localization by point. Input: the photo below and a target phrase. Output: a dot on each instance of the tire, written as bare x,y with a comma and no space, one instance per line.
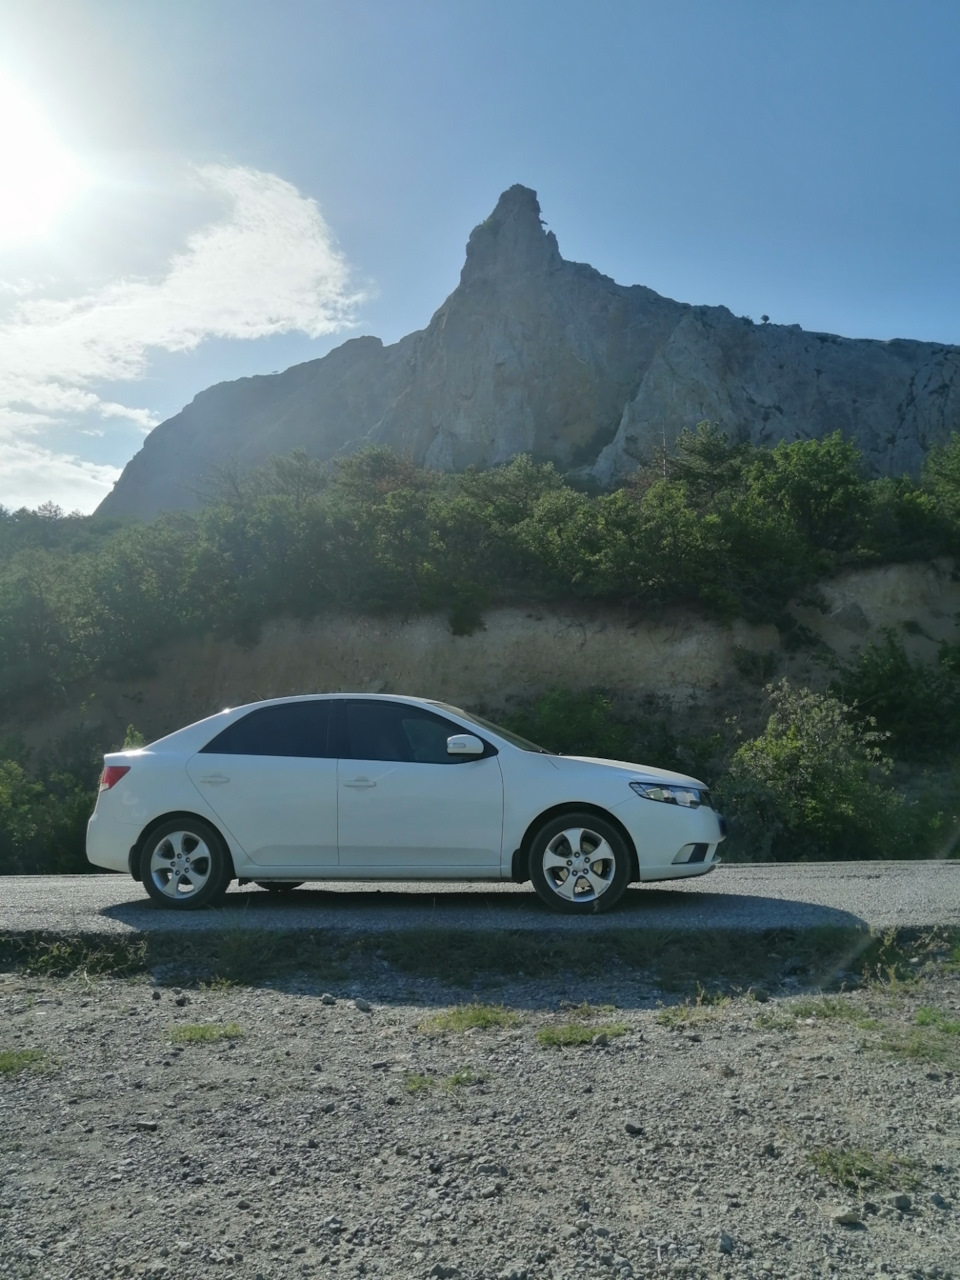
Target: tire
278,886
185,865
579,863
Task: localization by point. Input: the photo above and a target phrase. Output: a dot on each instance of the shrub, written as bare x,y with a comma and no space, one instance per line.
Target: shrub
917,704
812,785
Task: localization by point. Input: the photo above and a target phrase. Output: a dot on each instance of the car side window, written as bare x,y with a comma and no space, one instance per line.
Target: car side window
397,731
289,729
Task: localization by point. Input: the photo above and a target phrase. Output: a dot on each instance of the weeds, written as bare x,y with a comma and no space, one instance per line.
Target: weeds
859,1169
205,1033
13,1061
470,1017
417,1085
936,1018
924,1045
463,1078
822,1008
579,1033
706,1006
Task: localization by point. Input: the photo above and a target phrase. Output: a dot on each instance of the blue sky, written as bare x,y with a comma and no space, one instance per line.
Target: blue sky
243,184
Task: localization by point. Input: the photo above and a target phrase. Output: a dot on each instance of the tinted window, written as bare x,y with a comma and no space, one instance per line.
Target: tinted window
292,729
394,731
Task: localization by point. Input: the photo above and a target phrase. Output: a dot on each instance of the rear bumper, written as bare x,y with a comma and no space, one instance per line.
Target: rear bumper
108,843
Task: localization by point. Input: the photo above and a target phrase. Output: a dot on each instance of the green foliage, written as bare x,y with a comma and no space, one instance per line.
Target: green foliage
737,529
574,722
13,1061
471,1017
812,785
917,704
205,1033
575,1034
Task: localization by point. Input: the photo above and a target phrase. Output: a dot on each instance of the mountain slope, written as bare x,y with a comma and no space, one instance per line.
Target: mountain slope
532,353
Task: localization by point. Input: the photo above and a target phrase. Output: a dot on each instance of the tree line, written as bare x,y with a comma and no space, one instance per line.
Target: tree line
734,529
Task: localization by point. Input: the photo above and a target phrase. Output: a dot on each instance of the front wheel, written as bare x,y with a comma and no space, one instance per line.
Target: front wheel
579,863
184,864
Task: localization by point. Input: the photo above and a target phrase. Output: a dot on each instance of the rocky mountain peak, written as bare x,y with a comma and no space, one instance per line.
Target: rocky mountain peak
534,354
512,240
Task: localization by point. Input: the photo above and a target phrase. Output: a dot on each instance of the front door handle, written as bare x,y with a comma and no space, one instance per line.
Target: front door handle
215,779
360,784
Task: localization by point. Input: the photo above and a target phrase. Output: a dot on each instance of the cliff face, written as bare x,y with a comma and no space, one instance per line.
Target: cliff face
532,353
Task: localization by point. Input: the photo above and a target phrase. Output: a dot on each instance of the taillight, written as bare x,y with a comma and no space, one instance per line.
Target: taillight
112,774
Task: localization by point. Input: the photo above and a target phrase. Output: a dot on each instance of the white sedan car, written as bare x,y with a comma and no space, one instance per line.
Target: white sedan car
360,787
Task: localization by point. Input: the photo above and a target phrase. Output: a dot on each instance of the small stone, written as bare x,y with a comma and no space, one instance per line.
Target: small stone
725,1243
181,1001
761,995
901,1202
633,1129
155,995
392,1100
312,1144
938,1201
601,1040
327,1108
327,998
147,1126
569,1232
243,1204
318,1066
849,1217
363,1005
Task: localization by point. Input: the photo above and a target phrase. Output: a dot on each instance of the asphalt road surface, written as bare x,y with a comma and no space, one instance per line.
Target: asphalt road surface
791,895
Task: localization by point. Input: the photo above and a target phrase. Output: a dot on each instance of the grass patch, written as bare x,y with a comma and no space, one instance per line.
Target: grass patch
47,956
924,1045
859,1169
463,1078
936,1018
470,1017
705,1006
205,1033
13,1061
418,1085
571,1034
821,1008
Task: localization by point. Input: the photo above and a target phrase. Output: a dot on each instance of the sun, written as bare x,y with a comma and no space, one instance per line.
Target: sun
38,177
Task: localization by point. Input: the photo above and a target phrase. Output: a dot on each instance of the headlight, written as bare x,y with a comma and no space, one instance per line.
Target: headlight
672,793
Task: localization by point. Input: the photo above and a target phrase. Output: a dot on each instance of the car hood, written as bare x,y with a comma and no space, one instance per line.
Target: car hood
637,771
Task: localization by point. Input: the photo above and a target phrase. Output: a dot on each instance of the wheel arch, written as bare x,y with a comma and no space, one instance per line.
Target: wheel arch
175,815
520,868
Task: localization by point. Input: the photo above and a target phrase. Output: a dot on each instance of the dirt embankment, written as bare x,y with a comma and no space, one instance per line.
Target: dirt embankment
678,656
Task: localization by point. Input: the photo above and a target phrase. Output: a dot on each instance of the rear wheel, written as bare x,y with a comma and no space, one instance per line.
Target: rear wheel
185,865
579,863
278,886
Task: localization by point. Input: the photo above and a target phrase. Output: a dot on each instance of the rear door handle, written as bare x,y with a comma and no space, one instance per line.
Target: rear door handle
215,779
360,784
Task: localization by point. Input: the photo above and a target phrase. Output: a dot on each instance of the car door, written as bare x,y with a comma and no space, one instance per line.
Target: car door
406,807
271,779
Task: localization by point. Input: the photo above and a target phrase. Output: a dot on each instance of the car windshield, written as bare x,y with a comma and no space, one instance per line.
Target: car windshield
513,738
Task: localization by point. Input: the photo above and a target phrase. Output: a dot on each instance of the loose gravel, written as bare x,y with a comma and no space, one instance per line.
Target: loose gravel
305,1130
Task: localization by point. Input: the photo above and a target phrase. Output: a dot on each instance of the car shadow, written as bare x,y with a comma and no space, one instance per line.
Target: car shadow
349,908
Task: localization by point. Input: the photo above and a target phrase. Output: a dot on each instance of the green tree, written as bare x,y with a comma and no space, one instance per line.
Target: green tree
812,785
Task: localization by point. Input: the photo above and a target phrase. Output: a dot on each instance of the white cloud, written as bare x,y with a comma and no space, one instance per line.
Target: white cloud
32,475
268,266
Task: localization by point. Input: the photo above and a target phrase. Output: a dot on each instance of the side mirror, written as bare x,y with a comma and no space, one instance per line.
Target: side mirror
464,744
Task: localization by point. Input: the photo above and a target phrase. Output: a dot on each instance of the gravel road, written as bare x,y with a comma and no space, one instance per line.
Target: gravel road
735,897
284,1131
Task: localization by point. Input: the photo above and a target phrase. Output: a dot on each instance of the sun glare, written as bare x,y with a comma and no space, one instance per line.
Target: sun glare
37,176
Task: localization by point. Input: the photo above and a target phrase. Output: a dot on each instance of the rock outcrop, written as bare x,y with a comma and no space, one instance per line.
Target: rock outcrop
532,353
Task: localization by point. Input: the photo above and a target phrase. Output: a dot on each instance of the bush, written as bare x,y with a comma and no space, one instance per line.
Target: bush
811,786
916,704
